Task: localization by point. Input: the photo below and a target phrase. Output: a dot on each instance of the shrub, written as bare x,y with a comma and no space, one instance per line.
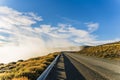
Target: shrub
26,70
111,50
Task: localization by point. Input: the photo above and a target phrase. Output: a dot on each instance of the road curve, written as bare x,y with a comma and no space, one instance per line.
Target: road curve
72,66
95,68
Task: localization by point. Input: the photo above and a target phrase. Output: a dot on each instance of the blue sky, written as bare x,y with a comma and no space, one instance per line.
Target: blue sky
38,27
77,12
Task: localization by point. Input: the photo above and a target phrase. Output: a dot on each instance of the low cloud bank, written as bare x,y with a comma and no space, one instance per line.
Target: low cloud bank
19,39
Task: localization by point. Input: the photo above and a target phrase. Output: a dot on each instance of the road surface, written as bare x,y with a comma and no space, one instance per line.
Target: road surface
73,66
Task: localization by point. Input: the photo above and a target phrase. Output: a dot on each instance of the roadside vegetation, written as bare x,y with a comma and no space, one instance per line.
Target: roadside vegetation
111,51
26,69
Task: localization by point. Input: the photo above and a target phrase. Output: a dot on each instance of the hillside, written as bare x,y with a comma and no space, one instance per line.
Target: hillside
26,69
111,50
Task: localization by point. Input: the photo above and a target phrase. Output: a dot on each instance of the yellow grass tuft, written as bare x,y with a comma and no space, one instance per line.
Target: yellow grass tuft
26,70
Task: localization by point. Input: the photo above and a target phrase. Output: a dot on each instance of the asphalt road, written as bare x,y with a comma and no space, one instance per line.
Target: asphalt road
95,68
73,66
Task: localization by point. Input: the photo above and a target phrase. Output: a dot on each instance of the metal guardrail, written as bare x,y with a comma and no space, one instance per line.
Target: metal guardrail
44,75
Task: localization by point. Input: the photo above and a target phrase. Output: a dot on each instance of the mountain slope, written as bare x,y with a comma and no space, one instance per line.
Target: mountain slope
111,50
26,69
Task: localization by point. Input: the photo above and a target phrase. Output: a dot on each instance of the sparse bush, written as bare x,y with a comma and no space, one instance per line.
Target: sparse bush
11,63
26,70
111,50
7,76
20,60
1,64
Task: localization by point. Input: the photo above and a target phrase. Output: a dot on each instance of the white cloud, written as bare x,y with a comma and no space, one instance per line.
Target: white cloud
2,37
21,41
10,17
92,26
34,16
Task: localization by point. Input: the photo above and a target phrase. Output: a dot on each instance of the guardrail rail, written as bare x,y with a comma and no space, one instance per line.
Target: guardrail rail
45,74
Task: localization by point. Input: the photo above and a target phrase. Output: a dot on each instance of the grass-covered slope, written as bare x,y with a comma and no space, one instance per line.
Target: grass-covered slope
26,69
111,50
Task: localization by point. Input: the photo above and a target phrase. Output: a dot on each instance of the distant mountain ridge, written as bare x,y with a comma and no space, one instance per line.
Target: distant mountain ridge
110,50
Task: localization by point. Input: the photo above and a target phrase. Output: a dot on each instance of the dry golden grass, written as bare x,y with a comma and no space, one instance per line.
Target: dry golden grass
26,70
22,78
111,51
